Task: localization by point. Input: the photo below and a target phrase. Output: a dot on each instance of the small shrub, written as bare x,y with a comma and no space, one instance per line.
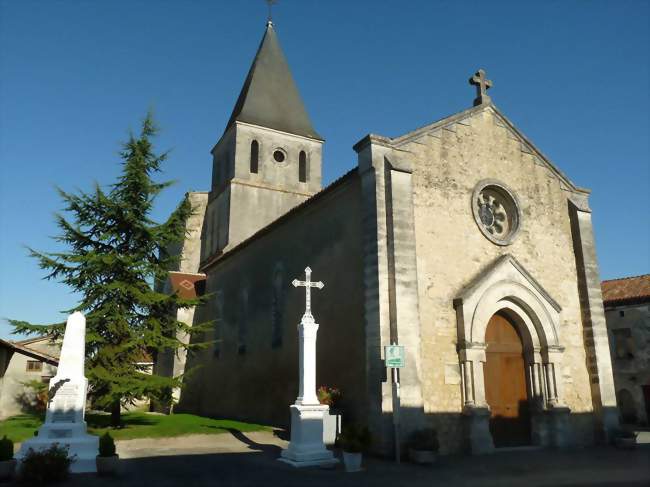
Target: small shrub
424,439
329,395
48,465
106,445
355,439
6,449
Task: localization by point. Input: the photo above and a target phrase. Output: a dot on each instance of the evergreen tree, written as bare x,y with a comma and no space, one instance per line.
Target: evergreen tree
115,255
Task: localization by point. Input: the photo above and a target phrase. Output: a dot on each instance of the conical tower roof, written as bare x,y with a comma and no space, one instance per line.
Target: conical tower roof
269,97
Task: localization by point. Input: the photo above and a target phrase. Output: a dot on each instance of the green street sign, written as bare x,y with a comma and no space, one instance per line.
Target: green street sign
394,356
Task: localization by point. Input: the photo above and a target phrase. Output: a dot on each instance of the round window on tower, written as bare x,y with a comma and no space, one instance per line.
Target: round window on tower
496,211
279,155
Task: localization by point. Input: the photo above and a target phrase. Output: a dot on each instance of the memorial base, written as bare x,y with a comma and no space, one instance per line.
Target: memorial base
306,448
82,446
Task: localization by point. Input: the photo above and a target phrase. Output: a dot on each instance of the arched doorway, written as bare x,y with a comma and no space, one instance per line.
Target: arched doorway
505,384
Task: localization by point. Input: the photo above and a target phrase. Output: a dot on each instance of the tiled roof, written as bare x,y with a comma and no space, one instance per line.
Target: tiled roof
627,290
30,352
187,285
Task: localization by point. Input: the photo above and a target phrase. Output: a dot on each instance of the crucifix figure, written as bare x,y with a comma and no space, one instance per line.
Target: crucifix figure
308,284
482,85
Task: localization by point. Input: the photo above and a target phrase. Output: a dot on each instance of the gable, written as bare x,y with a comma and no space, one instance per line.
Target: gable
526,146
506,284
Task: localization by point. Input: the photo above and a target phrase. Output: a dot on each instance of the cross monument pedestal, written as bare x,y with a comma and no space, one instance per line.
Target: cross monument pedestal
64,419
306,447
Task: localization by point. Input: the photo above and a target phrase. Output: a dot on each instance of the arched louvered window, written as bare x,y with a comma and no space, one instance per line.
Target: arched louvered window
302,167
255,156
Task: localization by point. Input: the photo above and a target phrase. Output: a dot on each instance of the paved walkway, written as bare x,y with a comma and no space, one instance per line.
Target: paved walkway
250,459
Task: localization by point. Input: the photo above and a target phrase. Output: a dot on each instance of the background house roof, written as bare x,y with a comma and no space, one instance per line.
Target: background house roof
626,290
30,352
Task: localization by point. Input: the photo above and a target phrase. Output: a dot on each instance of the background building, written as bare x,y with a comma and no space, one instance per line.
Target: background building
627,310
21,362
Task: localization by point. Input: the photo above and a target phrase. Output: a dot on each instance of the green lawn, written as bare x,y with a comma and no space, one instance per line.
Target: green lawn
134,425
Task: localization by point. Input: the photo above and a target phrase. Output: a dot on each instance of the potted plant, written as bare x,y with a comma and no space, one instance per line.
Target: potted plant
354,440
107,460
423,446
7,460
332,421
626,439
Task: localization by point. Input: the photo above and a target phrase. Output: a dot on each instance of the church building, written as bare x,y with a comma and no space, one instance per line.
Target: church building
459,240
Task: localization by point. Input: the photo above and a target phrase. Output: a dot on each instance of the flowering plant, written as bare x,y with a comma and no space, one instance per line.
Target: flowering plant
328,395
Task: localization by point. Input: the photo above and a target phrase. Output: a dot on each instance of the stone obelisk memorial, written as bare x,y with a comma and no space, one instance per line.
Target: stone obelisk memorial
64,419
306,447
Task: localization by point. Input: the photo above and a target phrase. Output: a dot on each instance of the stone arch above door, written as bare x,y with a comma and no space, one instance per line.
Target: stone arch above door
505,284
506,287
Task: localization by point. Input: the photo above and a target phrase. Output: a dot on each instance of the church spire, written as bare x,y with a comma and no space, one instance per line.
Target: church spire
269,97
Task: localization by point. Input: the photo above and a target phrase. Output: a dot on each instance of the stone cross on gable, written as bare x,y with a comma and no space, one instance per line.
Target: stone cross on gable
308,284
482,85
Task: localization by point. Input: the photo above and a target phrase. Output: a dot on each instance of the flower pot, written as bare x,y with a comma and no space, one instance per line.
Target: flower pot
331,428
352,461
107,466
625,443
422,457
7,469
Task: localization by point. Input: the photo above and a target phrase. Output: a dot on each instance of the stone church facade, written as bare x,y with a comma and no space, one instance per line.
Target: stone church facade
459,240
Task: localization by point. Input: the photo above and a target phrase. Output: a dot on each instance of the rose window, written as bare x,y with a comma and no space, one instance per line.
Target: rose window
496,212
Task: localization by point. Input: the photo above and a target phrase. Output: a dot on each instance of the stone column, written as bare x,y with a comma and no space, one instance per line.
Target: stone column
539,423
390,286
307,331
556,412
476,412
307,448
599,362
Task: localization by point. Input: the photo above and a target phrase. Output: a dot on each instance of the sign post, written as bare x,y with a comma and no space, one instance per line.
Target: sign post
394,356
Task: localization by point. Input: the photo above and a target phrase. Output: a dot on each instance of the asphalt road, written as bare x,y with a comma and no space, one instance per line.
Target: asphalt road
251,460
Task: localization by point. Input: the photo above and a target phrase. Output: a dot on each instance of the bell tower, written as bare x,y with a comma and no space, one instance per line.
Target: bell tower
268,159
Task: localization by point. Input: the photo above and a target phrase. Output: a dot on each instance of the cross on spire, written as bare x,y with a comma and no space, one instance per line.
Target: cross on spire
270,3
482,85
308,284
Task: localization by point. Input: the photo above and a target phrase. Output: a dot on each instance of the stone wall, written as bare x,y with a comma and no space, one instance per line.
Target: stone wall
629,338
448,162
251,372
13,373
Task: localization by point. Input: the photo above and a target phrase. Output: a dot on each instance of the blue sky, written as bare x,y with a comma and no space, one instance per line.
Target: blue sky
75,76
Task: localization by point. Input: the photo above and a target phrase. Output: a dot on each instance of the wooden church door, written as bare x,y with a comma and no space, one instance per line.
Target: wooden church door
505,384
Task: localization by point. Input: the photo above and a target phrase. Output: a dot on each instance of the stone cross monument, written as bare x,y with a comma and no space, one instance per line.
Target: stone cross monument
306,447
64,419
482,85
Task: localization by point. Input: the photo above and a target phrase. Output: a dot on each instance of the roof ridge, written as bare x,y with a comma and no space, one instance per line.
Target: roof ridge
334,184
626,278
507,124
30,351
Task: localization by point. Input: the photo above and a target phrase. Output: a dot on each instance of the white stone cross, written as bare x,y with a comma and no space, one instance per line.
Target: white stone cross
308,284
306,447
482,85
